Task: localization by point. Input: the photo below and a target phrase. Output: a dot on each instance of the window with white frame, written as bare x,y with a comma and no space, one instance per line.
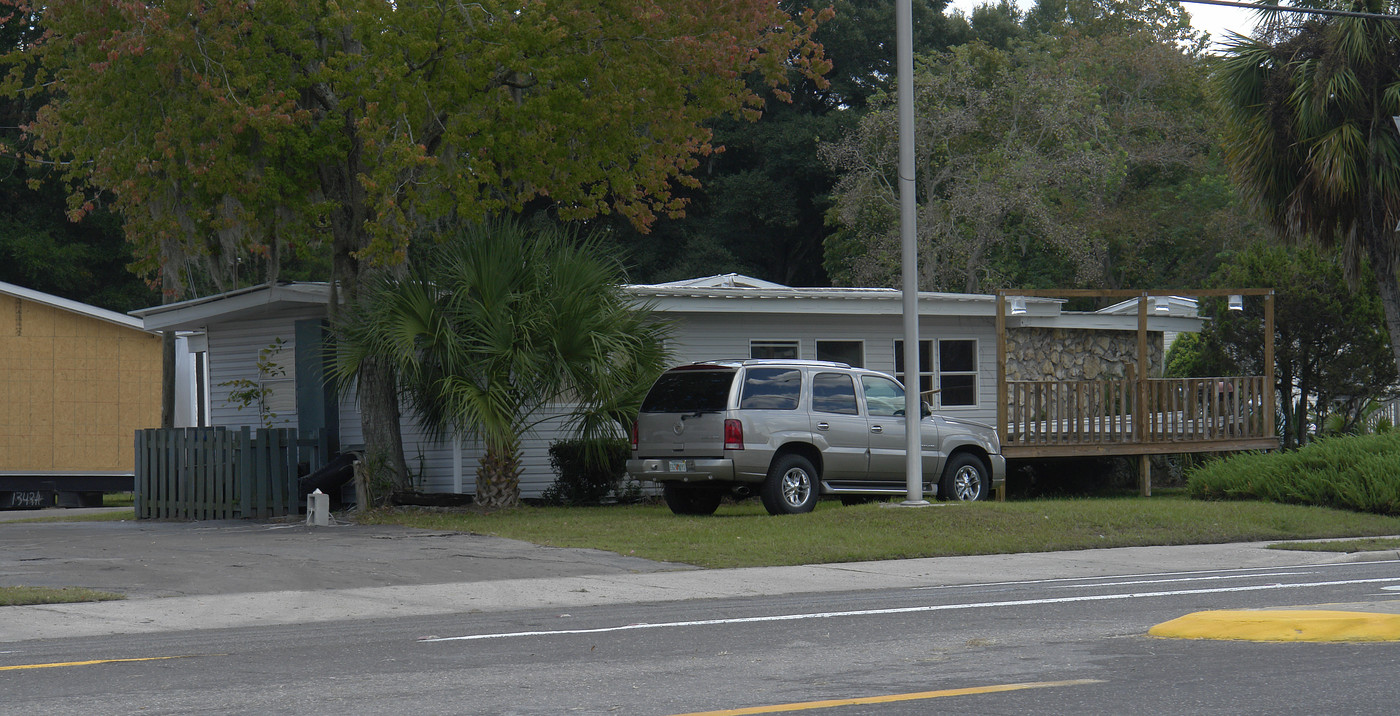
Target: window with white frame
851,353
957,372
925,372
778,349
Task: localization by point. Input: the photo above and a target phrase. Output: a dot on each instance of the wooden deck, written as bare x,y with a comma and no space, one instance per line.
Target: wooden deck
1134,415
1129,417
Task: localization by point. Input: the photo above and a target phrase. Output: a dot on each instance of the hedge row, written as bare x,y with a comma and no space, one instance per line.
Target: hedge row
1359,473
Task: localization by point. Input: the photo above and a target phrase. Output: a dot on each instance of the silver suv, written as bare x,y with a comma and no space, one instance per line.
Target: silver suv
791,430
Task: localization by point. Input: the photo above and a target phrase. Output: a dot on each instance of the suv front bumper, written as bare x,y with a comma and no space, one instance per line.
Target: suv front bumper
682,469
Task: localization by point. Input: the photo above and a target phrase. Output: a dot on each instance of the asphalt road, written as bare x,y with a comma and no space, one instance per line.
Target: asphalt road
1043,646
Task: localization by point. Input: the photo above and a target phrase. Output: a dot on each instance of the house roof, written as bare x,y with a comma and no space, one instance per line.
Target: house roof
736,293
65,304
722,293
251,302
723,280
1178,306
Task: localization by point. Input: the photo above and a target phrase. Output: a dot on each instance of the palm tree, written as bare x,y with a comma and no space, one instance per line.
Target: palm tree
1309,136
501,328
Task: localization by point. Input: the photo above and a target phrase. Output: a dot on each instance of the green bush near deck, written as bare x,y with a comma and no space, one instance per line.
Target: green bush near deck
1359,473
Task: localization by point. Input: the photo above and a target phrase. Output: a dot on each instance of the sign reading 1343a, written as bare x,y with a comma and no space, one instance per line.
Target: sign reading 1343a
26,499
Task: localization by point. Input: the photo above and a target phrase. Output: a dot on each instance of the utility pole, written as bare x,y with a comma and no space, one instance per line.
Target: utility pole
913,401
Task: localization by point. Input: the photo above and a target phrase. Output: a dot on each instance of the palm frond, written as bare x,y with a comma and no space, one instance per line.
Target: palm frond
502,327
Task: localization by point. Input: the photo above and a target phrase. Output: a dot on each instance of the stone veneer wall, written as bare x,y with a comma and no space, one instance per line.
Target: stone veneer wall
1076,354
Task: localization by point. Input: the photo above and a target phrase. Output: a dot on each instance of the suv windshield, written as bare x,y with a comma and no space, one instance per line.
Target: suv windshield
689,391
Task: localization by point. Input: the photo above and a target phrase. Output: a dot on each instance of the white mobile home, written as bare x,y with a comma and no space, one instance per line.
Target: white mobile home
728,316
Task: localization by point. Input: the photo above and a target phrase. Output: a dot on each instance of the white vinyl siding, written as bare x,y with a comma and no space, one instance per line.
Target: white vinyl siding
234,346
233,357
699,336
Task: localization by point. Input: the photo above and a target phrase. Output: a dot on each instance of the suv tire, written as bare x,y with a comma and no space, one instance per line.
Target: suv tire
791,487
685,500
965,479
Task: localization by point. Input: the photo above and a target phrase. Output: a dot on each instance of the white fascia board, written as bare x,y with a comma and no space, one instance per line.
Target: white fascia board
234,305
66,304
1110,322
857,301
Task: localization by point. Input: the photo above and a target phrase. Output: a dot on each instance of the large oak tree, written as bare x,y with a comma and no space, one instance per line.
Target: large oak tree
223,128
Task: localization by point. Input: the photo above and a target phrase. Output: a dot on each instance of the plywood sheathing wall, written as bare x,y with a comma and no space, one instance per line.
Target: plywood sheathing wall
73,389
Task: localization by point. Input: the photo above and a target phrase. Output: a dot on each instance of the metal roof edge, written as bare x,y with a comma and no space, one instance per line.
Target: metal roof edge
197,311
68,304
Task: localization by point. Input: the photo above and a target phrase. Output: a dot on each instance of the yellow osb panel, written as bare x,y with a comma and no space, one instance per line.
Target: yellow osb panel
10,307
139,351
74,389
67,324
28,352
37,320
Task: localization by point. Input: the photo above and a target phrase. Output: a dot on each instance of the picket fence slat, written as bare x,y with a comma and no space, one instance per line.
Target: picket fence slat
216,473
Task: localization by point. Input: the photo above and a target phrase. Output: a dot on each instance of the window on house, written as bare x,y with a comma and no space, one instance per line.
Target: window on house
957,373
834,393
925,365
851,353
781,350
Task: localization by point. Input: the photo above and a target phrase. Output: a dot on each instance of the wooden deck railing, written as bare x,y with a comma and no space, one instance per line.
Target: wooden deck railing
1127,416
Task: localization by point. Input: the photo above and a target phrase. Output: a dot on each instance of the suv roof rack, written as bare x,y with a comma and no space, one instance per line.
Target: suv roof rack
739,362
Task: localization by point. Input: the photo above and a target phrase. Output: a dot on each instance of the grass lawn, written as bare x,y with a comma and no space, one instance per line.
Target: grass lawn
19,596
1372,544
743,535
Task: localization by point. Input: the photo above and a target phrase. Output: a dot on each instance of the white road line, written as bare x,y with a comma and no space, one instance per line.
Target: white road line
1179,579
1088,580
909,610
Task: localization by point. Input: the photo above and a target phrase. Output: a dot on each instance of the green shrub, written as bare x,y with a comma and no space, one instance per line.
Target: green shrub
1357,473
588,472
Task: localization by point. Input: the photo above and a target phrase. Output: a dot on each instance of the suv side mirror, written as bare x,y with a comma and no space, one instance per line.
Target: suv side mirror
924,409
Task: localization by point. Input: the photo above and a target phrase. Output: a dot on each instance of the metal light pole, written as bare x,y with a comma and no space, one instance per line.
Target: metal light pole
913,405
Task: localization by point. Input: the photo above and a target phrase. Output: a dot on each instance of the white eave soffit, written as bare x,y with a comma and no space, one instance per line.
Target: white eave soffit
233,305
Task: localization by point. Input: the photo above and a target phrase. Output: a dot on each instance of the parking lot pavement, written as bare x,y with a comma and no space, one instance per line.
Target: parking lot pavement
144,559
201,575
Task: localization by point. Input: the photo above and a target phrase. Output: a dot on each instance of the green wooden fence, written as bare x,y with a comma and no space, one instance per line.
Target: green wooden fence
219,474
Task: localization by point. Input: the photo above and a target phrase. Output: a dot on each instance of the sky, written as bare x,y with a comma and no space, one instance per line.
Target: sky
1215,19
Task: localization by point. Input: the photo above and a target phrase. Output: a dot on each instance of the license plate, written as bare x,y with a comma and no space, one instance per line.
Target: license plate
675,466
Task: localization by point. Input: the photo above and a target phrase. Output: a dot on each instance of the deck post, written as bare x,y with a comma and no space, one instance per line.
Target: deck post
1269,427
1140,386
1145,475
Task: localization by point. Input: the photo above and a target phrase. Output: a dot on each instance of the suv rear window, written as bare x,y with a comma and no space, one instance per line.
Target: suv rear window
689,391
771,389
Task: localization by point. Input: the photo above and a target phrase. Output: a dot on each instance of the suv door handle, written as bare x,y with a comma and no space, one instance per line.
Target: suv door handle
876,429
823,426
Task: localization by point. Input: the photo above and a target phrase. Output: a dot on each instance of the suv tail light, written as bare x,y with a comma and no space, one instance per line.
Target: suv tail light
733,434
634,436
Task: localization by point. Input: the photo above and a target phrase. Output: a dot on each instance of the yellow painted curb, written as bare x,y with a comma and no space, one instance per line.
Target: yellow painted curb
1283,625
